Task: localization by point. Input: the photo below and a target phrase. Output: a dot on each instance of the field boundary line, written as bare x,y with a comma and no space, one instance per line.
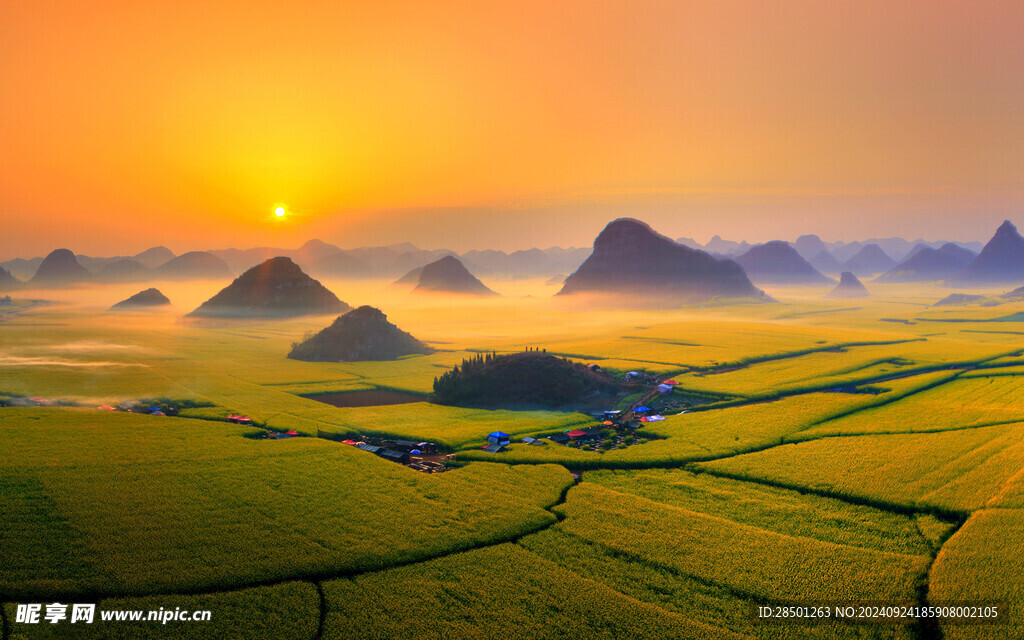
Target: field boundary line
960,368
863,501
888,401
760,530
746,362
934,631
323,610
633,598
827,388
822,436
633,557
741,363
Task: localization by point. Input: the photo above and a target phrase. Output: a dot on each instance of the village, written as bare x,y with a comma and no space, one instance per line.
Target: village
613,429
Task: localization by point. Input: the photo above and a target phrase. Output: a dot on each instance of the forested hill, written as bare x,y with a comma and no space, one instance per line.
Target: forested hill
531,379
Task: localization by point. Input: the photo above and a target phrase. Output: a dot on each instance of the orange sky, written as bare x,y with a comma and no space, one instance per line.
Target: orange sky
462,124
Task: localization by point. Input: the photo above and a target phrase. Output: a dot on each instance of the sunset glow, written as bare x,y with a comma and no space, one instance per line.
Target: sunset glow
544,119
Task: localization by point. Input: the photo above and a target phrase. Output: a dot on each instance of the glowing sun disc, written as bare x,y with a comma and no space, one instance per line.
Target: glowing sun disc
279,212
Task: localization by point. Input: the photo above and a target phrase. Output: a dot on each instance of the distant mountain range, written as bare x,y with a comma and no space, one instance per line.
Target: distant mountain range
928,264
807,260
891,259
810,246
327,260
321,259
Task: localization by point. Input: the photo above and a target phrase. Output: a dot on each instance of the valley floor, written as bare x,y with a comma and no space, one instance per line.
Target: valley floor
842,459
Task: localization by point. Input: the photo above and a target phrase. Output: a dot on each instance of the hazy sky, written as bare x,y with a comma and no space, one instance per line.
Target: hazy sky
505,125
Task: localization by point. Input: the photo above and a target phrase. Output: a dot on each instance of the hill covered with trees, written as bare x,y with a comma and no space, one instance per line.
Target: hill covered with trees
530,379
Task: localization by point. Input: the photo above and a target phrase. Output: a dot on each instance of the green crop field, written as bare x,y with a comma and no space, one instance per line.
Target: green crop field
690,571
215,497
500,592
962,403
760,562
958,471
453,426
772,509
853,365
984,564
840,458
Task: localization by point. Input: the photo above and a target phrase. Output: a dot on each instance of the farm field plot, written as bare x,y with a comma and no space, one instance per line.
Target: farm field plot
673,590
974,316
290,610
316,387
751,560
983,563
741,514
1007,365
958,404
773,509
87,492
852,365
412,373
499,592
452,426
955,470
703,344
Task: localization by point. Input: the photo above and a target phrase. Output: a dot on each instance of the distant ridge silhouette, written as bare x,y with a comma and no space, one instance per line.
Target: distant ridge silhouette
449,275
275,288
1001,261
360,334
849,287
60,267
777,262
149,298
631,258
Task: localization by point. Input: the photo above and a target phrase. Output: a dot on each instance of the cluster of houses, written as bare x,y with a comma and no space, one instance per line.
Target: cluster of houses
139,407
612,425
411,454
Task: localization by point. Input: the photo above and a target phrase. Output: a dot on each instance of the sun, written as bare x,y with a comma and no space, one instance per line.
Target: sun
279,212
